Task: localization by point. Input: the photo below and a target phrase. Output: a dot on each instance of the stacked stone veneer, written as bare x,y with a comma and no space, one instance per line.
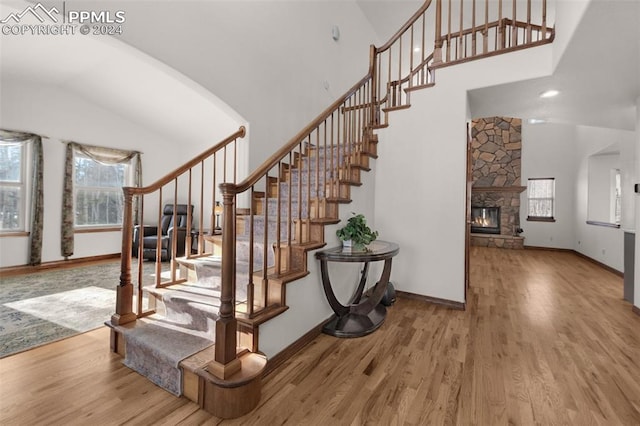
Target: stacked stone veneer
496,150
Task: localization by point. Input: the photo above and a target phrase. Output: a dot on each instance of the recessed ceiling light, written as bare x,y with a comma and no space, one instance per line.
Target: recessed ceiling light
536,121
549,93
416,49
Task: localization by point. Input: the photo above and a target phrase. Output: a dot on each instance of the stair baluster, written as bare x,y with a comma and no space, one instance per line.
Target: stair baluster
343,135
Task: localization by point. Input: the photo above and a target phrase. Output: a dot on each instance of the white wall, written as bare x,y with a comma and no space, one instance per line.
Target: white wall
268,60
421,175
548,150
59,114
563,151
568,14
628,173
599,197
603,244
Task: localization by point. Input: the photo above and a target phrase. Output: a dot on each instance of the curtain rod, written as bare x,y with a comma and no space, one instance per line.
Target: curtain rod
22,131
66,141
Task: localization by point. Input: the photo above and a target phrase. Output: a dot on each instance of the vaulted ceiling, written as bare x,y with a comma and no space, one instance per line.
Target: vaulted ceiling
598,76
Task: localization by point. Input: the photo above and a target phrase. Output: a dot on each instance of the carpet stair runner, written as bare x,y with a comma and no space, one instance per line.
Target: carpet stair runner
184,322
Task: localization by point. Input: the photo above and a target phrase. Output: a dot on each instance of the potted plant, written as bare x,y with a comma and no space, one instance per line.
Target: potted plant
356,235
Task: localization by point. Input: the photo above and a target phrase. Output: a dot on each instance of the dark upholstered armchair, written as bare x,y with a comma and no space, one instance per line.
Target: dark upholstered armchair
168,232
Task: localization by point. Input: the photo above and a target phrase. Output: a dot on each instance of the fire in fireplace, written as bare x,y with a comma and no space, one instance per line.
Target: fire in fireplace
485,220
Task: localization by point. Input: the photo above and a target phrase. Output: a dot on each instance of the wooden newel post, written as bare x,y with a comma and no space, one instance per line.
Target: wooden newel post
124,295
226,360
375,117
544,20
437,50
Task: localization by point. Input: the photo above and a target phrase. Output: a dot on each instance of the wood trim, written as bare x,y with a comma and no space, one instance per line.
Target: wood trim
605,224
467,226
499,188
541,178
288,352
57,264
635,310
92,230
460,306
15,234
592,260
584,256
540,219
493,53
272,161
577,253
405,27
563,250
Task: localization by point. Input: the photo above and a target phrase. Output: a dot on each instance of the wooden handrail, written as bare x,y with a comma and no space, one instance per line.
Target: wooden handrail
124,306
345,128
190,164
272,161
405,27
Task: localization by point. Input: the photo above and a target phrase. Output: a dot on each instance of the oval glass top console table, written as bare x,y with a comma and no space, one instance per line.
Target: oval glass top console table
363,314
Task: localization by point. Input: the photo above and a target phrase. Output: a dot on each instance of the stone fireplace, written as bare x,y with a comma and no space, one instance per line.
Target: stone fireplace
496,149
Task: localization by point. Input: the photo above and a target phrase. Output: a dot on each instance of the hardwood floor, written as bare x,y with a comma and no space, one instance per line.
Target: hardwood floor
546,339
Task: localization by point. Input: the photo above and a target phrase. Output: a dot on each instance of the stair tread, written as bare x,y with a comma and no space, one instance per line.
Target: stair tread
199,359
419,87
287,277
309,245
264,315
325,220
396,108
339,200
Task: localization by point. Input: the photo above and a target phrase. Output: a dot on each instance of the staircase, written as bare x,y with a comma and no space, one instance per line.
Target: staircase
200,314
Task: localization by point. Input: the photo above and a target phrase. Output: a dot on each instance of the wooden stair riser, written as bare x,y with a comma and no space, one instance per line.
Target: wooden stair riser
371,147
361,160
323,209
291,258
350,174
307,232
338,190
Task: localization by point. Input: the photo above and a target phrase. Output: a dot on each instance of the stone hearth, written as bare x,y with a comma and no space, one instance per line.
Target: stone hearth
499,241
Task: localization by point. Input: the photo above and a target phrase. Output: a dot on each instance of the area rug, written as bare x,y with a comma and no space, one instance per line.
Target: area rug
81,310
21,329
41,319
155,349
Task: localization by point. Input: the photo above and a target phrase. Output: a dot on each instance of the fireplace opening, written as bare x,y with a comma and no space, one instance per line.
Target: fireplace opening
485,220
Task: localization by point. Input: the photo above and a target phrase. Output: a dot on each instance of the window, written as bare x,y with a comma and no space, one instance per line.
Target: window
98,199
12,187
541,198
616,197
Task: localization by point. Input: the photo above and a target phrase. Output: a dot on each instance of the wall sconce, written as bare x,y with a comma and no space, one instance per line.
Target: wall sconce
218,212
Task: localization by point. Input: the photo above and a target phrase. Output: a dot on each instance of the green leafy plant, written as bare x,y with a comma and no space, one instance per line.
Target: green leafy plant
357,231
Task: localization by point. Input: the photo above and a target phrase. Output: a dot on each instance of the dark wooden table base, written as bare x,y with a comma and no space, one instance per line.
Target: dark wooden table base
356,325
